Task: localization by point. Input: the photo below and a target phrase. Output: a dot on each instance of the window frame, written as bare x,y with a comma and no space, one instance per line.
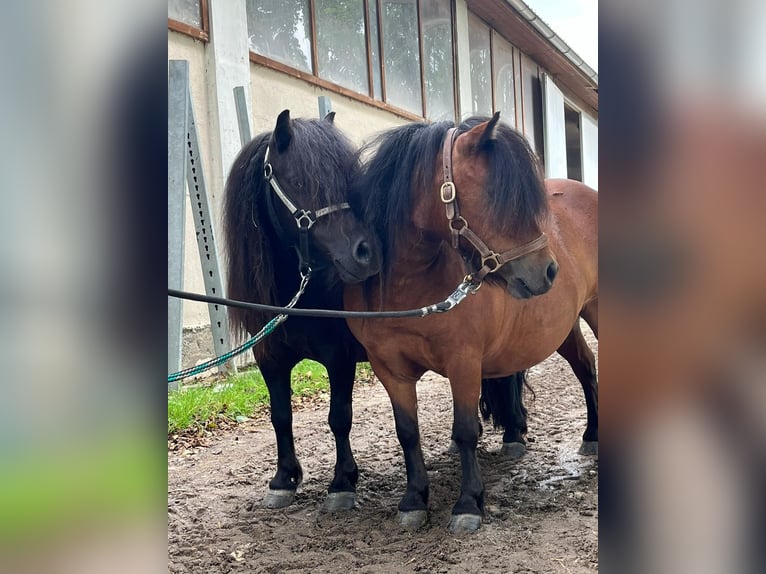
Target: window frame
202,34
367,98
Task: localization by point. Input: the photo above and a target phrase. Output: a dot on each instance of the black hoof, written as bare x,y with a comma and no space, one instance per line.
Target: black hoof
278,498
412,519
589,448
339,501
513,449
463,523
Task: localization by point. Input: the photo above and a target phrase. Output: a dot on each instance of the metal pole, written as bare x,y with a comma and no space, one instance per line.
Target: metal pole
325,106
178,87
203,223
242,118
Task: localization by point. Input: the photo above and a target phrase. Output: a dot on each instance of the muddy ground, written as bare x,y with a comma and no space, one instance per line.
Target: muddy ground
542,513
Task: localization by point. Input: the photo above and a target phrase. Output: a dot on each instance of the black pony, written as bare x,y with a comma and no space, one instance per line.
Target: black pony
285,212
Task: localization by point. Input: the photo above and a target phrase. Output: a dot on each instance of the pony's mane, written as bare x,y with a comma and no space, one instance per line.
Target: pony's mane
324,160
402,164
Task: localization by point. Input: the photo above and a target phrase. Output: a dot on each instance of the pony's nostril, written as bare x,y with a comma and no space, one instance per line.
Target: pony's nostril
362,252
552,271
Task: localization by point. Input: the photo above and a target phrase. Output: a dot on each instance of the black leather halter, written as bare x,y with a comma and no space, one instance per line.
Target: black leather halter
491,261
304,218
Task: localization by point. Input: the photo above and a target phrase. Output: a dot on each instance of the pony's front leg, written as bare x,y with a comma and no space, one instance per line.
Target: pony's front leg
342,491
289,473
468,511
413,508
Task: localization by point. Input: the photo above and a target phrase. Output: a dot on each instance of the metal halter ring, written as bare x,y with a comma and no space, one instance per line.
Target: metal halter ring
461,220
304,216
491,261
450,187
268,171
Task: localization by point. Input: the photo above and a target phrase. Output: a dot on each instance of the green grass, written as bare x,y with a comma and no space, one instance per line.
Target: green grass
241,395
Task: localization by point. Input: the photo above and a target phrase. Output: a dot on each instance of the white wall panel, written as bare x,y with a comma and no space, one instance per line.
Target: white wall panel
555,136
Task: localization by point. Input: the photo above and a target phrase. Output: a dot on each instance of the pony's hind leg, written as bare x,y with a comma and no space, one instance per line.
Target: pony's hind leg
579,356
502,400
289,474
342,491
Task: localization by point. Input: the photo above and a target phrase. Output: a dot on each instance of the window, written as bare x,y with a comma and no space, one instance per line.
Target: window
437,57
573,142
281,29
532,102
377,80
481,67
188,17
505,92
401,54
341,44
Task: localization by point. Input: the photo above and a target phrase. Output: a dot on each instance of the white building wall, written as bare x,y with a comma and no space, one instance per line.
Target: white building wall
589,151
554,129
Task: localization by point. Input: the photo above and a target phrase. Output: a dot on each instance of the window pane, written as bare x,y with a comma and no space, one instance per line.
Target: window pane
375,50
186,11
401,54
437,51
280,29
533,105
341,46
505,101
481,71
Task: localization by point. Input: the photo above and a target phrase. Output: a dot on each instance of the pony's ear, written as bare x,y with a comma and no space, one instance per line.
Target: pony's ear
489,132
283,132
330,117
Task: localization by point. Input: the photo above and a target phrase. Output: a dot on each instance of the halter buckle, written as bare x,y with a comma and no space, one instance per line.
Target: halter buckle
304,219
448,192
268,171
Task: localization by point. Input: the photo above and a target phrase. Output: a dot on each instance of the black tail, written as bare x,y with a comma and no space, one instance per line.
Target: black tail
503,400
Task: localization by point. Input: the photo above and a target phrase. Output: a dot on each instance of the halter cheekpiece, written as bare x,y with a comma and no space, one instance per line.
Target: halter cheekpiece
304,218
491,261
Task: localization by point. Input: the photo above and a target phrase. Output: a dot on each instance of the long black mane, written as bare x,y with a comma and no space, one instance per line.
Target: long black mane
259,267
402,164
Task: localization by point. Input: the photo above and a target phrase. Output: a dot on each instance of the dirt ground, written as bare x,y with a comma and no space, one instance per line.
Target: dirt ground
542,510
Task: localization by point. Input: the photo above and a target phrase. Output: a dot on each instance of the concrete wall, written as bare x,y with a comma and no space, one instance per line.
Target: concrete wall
273,92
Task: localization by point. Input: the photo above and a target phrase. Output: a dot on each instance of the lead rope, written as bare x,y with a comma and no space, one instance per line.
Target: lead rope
257,338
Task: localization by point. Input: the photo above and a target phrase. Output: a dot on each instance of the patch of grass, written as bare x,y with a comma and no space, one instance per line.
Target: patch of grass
242,395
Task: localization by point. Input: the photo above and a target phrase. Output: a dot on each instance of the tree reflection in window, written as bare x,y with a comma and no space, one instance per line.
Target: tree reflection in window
401,54
341,45
437,55
280,29
505,98
186,11
481,71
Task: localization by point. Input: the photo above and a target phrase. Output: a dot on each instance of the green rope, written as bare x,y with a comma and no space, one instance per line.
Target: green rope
201,368
257,338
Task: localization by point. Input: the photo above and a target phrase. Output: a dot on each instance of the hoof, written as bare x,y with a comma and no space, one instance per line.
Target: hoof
453,449
462,523
339,501
513,450
589,448
412,519
278,498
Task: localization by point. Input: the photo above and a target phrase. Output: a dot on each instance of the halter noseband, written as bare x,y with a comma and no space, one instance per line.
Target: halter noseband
491,261
304,218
